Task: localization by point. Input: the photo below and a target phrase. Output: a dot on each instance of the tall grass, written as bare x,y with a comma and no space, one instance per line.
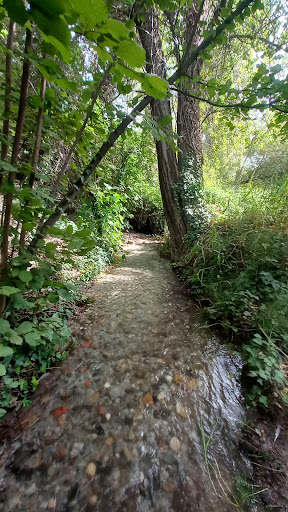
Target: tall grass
239,269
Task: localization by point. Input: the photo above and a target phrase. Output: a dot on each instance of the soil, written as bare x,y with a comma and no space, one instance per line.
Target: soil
265,442
144,415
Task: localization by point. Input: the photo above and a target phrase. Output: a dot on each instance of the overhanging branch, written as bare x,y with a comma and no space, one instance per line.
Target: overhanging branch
271,104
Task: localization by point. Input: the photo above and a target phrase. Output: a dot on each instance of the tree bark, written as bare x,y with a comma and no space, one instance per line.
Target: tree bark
7,103
14,161
36,151
169,176
8,83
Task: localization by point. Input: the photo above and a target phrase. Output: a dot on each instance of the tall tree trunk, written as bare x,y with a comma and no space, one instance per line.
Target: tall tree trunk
7,103
188,112
190,156
169,176
37,147
14,161
8,83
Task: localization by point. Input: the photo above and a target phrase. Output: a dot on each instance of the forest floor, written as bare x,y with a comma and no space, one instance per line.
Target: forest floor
144,415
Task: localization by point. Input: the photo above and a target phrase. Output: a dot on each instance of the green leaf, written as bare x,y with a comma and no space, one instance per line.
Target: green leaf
66,84
166,120
64,294
83,233
14,337
131,53
55,231
25,327
263,400
2,412
92,12
2,372
114,28
28,226
69,230
16,11
4,326
8,290
103,54
155,86
53,297
54,7
7,167
52,25
25,276
5,351
33,338
19,302
64,52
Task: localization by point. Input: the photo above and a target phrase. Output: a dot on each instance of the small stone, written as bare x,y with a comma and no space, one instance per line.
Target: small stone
191,384
52,504
31,490
107,385
108,416
91,469
175,444
169,487
169,378
115,392
178,378
127,453
182,411
93,499
60,453
147,400
77,449
140,373
161,395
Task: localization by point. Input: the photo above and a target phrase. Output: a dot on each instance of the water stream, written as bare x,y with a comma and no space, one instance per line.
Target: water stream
154,407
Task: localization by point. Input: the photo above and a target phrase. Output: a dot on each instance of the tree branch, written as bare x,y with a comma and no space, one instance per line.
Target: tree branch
251,37
95,96
231,105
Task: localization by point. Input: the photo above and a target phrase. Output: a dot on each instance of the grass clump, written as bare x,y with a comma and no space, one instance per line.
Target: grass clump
239,269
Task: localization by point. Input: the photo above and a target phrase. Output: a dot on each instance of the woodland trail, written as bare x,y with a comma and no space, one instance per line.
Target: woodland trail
118,427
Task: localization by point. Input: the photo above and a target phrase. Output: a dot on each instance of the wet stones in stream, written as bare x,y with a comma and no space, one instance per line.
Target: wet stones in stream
119,428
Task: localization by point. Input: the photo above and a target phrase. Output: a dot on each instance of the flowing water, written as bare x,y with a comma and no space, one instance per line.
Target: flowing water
151,407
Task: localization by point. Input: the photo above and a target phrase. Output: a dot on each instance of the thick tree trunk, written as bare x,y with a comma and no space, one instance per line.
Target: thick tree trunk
169,176
188,112
190,156
14,161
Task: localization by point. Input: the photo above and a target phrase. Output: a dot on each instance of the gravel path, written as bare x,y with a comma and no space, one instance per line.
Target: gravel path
118,427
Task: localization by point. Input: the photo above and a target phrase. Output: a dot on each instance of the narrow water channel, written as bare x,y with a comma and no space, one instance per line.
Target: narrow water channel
151,407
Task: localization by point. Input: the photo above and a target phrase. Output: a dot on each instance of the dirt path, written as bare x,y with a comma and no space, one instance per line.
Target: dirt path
118,427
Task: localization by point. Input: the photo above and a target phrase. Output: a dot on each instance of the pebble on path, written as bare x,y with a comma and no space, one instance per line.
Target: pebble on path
175,444
91,469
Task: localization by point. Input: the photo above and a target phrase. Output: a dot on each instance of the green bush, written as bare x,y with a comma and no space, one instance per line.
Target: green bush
239,269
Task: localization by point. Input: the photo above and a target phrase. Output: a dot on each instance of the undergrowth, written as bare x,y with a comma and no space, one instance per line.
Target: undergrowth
238,269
